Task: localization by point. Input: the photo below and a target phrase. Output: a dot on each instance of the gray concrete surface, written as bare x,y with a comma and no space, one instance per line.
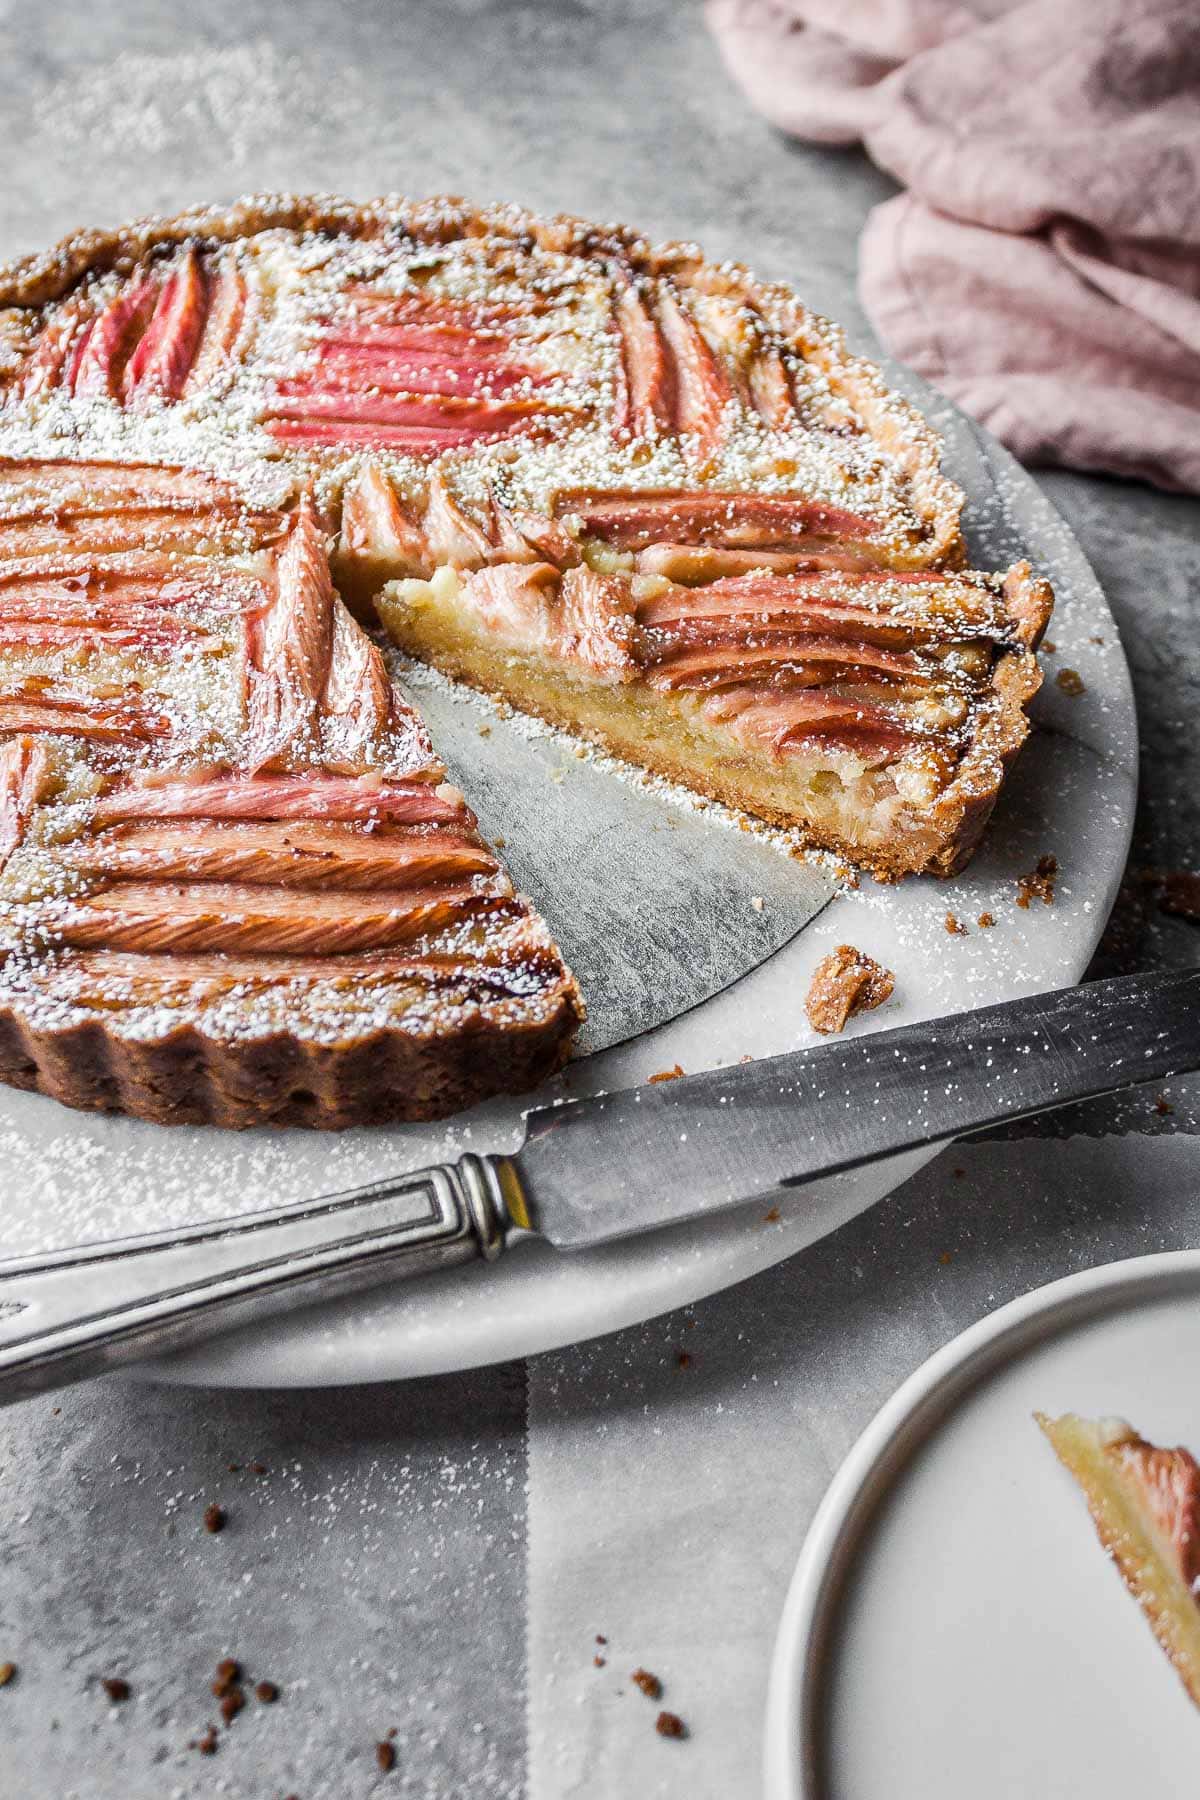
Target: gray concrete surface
377,1572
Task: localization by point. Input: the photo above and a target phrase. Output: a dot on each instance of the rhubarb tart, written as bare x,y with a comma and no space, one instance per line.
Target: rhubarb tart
641,495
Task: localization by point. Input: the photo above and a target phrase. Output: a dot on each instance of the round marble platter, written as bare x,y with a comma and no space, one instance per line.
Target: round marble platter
68,1178
954,1626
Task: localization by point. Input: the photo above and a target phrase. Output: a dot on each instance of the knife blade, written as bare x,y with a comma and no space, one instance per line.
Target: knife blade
600,1168
590,1170
584,841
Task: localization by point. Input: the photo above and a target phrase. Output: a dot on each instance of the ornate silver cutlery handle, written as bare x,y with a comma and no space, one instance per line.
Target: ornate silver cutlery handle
72,1313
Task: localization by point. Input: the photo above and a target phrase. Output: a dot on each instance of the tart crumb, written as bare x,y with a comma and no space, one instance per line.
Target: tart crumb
670,1725
600,1638
844,983
985,921
599,1662
385,1756
1071,682
116,1687
772,1216
266,1692
215,1518
955,927
667,1074
1039,883
8,1673
683,1360
650,1685
1180,895
226,1676
232,1704
207,1743
1049,646
1163,1107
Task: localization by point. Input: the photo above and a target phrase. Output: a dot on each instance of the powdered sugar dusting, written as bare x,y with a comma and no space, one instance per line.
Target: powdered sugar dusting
243,95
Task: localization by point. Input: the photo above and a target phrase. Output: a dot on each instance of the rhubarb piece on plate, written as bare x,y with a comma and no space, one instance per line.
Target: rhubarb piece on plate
1145,1505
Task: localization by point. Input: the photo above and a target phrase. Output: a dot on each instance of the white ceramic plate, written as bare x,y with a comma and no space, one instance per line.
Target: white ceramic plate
68,1178
954,1627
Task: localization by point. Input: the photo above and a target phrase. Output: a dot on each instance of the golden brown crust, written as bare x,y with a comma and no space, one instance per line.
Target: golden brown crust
966,805
190,1077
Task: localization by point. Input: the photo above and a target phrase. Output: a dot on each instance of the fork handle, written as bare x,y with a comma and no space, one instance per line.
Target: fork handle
67,1314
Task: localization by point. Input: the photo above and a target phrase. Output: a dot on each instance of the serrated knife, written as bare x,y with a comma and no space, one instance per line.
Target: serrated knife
608,1166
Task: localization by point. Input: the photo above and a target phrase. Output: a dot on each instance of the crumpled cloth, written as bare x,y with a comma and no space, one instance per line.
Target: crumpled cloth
1043,266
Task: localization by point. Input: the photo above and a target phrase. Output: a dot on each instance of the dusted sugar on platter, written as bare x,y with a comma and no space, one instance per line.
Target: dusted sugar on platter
634,493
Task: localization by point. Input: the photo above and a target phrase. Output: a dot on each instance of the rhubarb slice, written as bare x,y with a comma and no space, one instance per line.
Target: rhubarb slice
22,770
1145,1505
159,367
413,373
288,649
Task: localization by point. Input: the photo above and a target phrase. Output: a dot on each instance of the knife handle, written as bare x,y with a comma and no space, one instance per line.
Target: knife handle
67,1314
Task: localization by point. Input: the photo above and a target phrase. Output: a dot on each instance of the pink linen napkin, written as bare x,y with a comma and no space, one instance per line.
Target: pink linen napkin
1043,268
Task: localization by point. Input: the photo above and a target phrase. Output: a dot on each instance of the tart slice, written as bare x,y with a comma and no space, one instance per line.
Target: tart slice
235,885
873,712
1145,1504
